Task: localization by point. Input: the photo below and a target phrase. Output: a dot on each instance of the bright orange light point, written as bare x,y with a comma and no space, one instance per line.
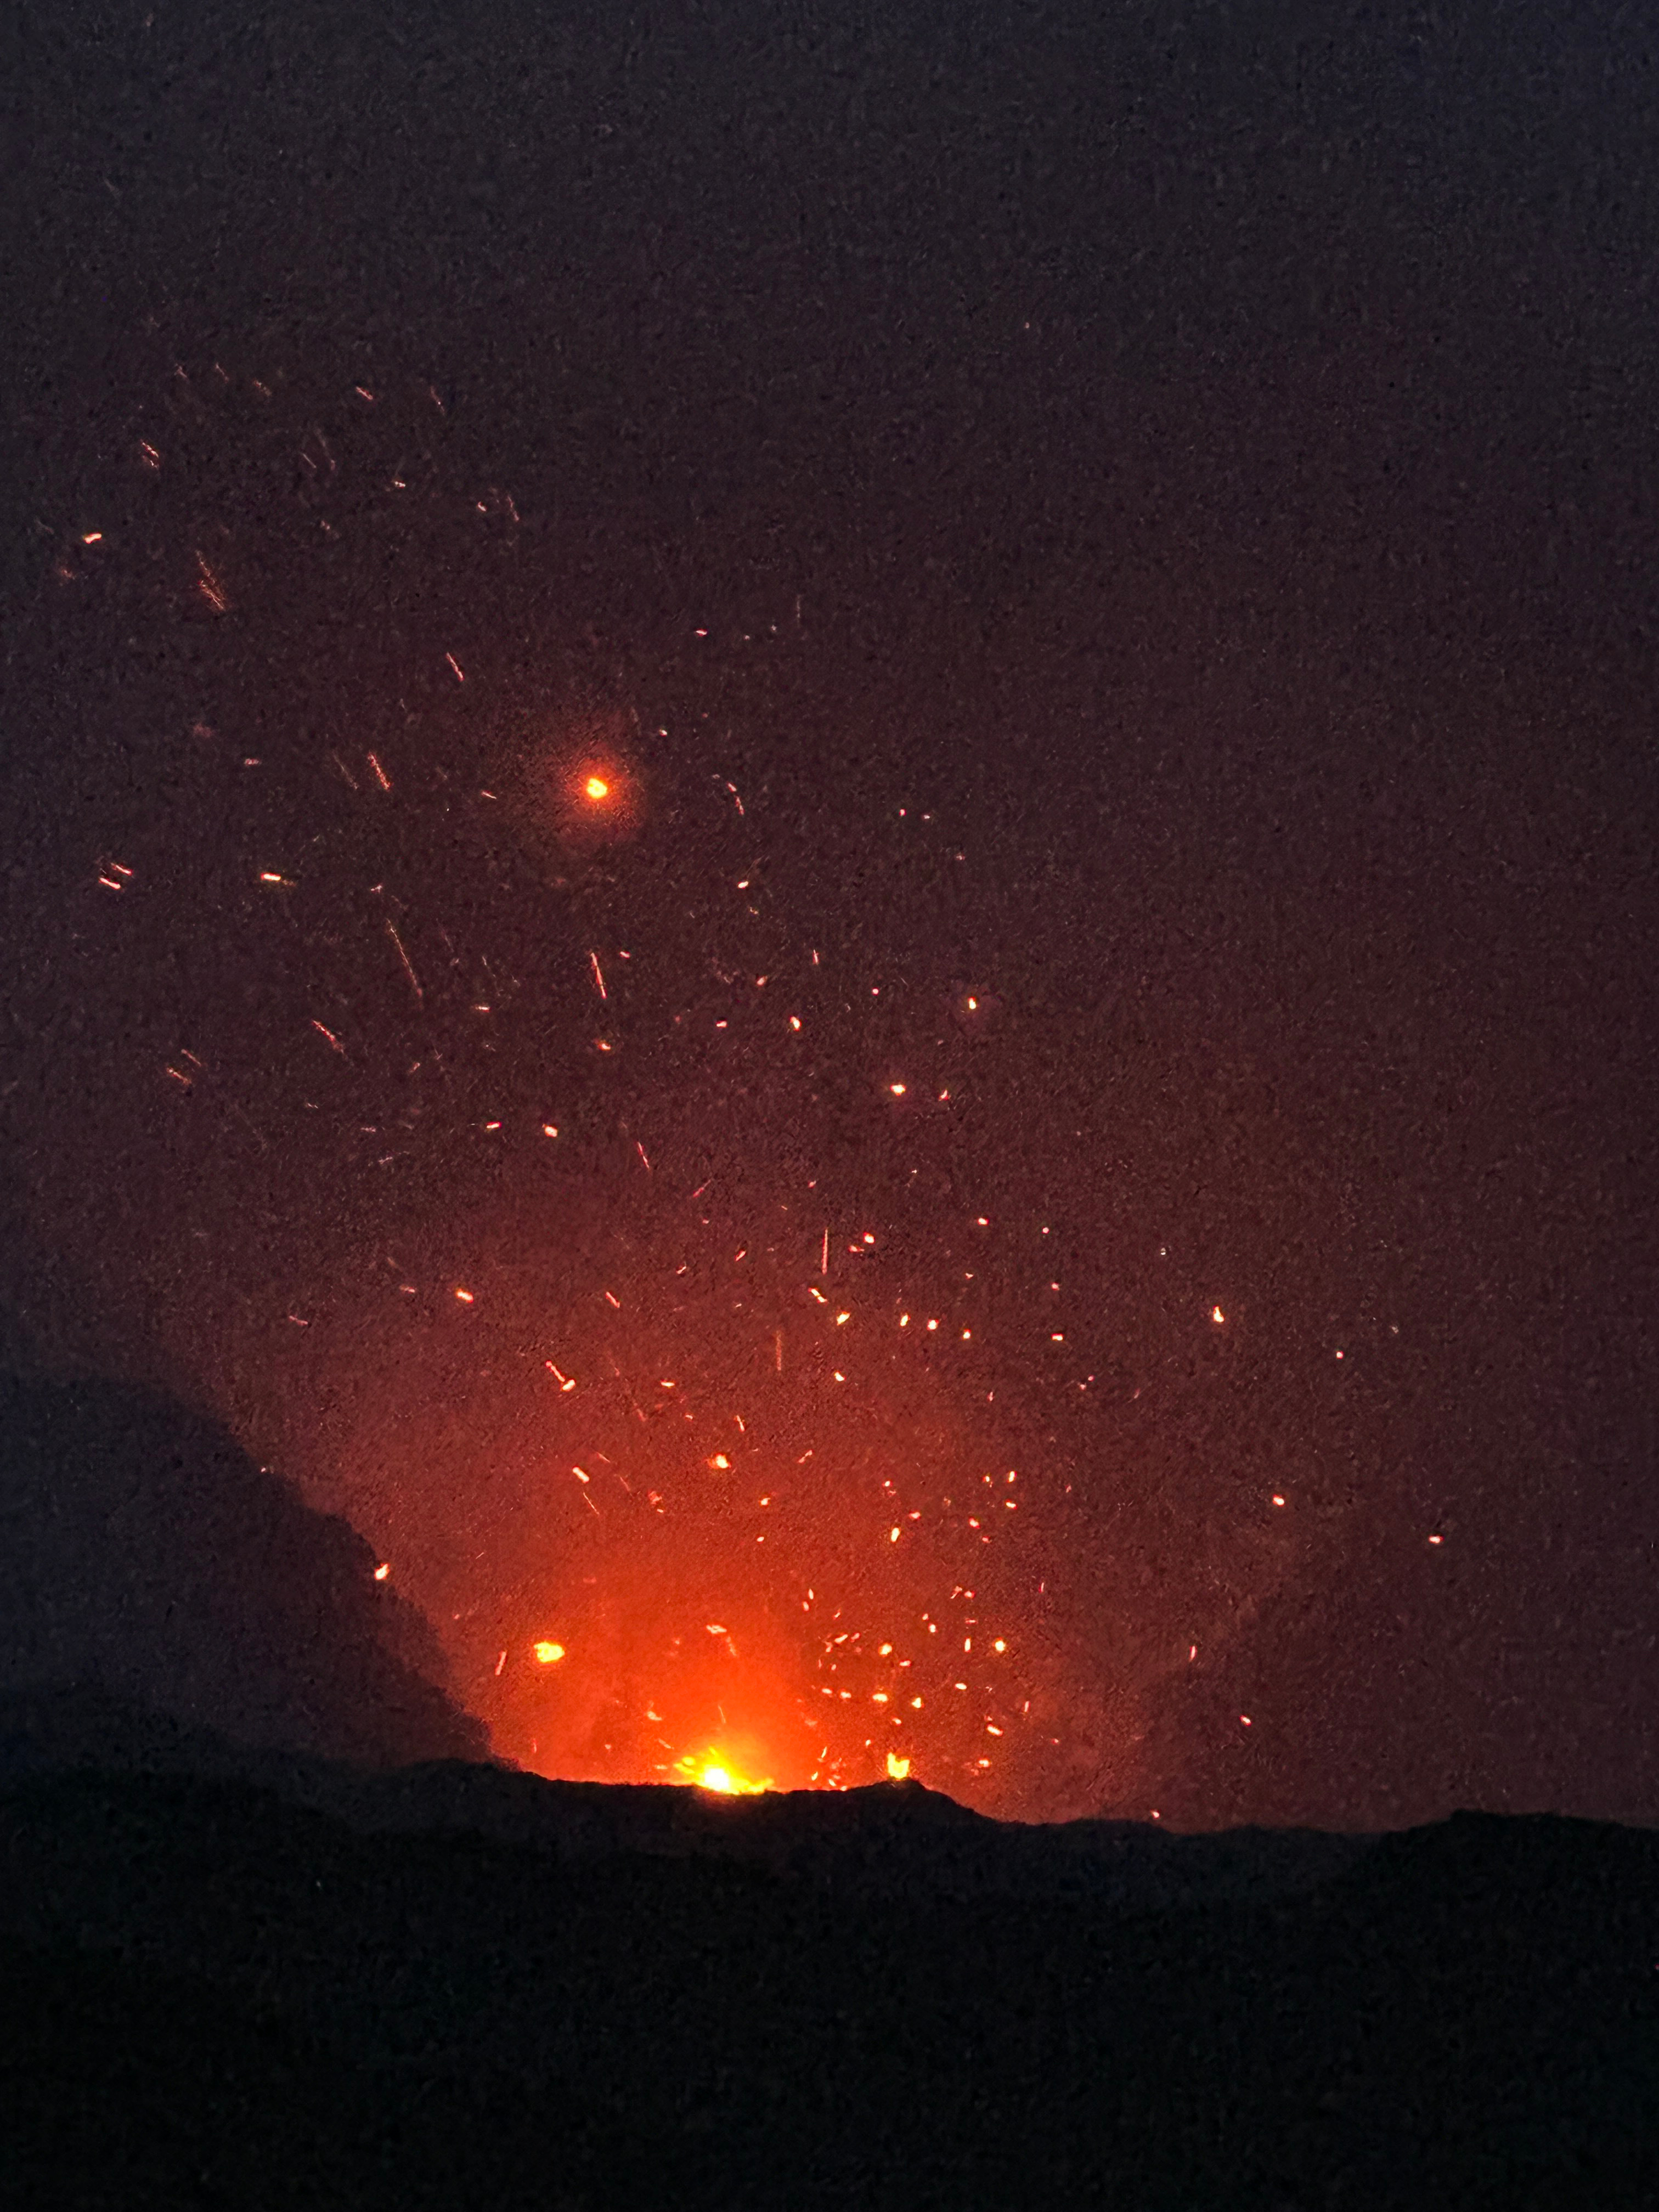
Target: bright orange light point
596,788
898,1769
713,1774
548,1652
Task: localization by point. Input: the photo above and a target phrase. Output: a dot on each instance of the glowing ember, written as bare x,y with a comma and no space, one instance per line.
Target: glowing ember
898,1769
596,788
549,1653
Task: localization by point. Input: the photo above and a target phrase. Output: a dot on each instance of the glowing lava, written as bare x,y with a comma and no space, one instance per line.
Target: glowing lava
596,788
716,1772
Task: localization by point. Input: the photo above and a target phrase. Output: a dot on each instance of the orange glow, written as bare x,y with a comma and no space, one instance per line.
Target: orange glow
898,1769
762,1591
716,1772
599,796
581,778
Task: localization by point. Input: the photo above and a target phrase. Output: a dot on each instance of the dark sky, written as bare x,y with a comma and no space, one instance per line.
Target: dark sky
1105,555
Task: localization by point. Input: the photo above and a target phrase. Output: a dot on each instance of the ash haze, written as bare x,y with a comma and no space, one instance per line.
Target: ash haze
830,856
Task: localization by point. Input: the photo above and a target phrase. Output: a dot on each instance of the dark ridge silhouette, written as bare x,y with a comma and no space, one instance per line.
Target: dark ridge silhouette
889,1839
210,1989
141,1549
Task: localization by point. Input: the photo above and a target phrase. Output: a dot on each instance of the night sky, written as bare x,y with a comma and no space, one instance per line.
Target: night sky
829,848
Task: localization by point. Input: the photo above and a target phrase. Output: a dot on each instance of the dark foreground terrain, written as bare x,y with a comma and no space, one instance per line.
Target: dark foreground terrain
235,1984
